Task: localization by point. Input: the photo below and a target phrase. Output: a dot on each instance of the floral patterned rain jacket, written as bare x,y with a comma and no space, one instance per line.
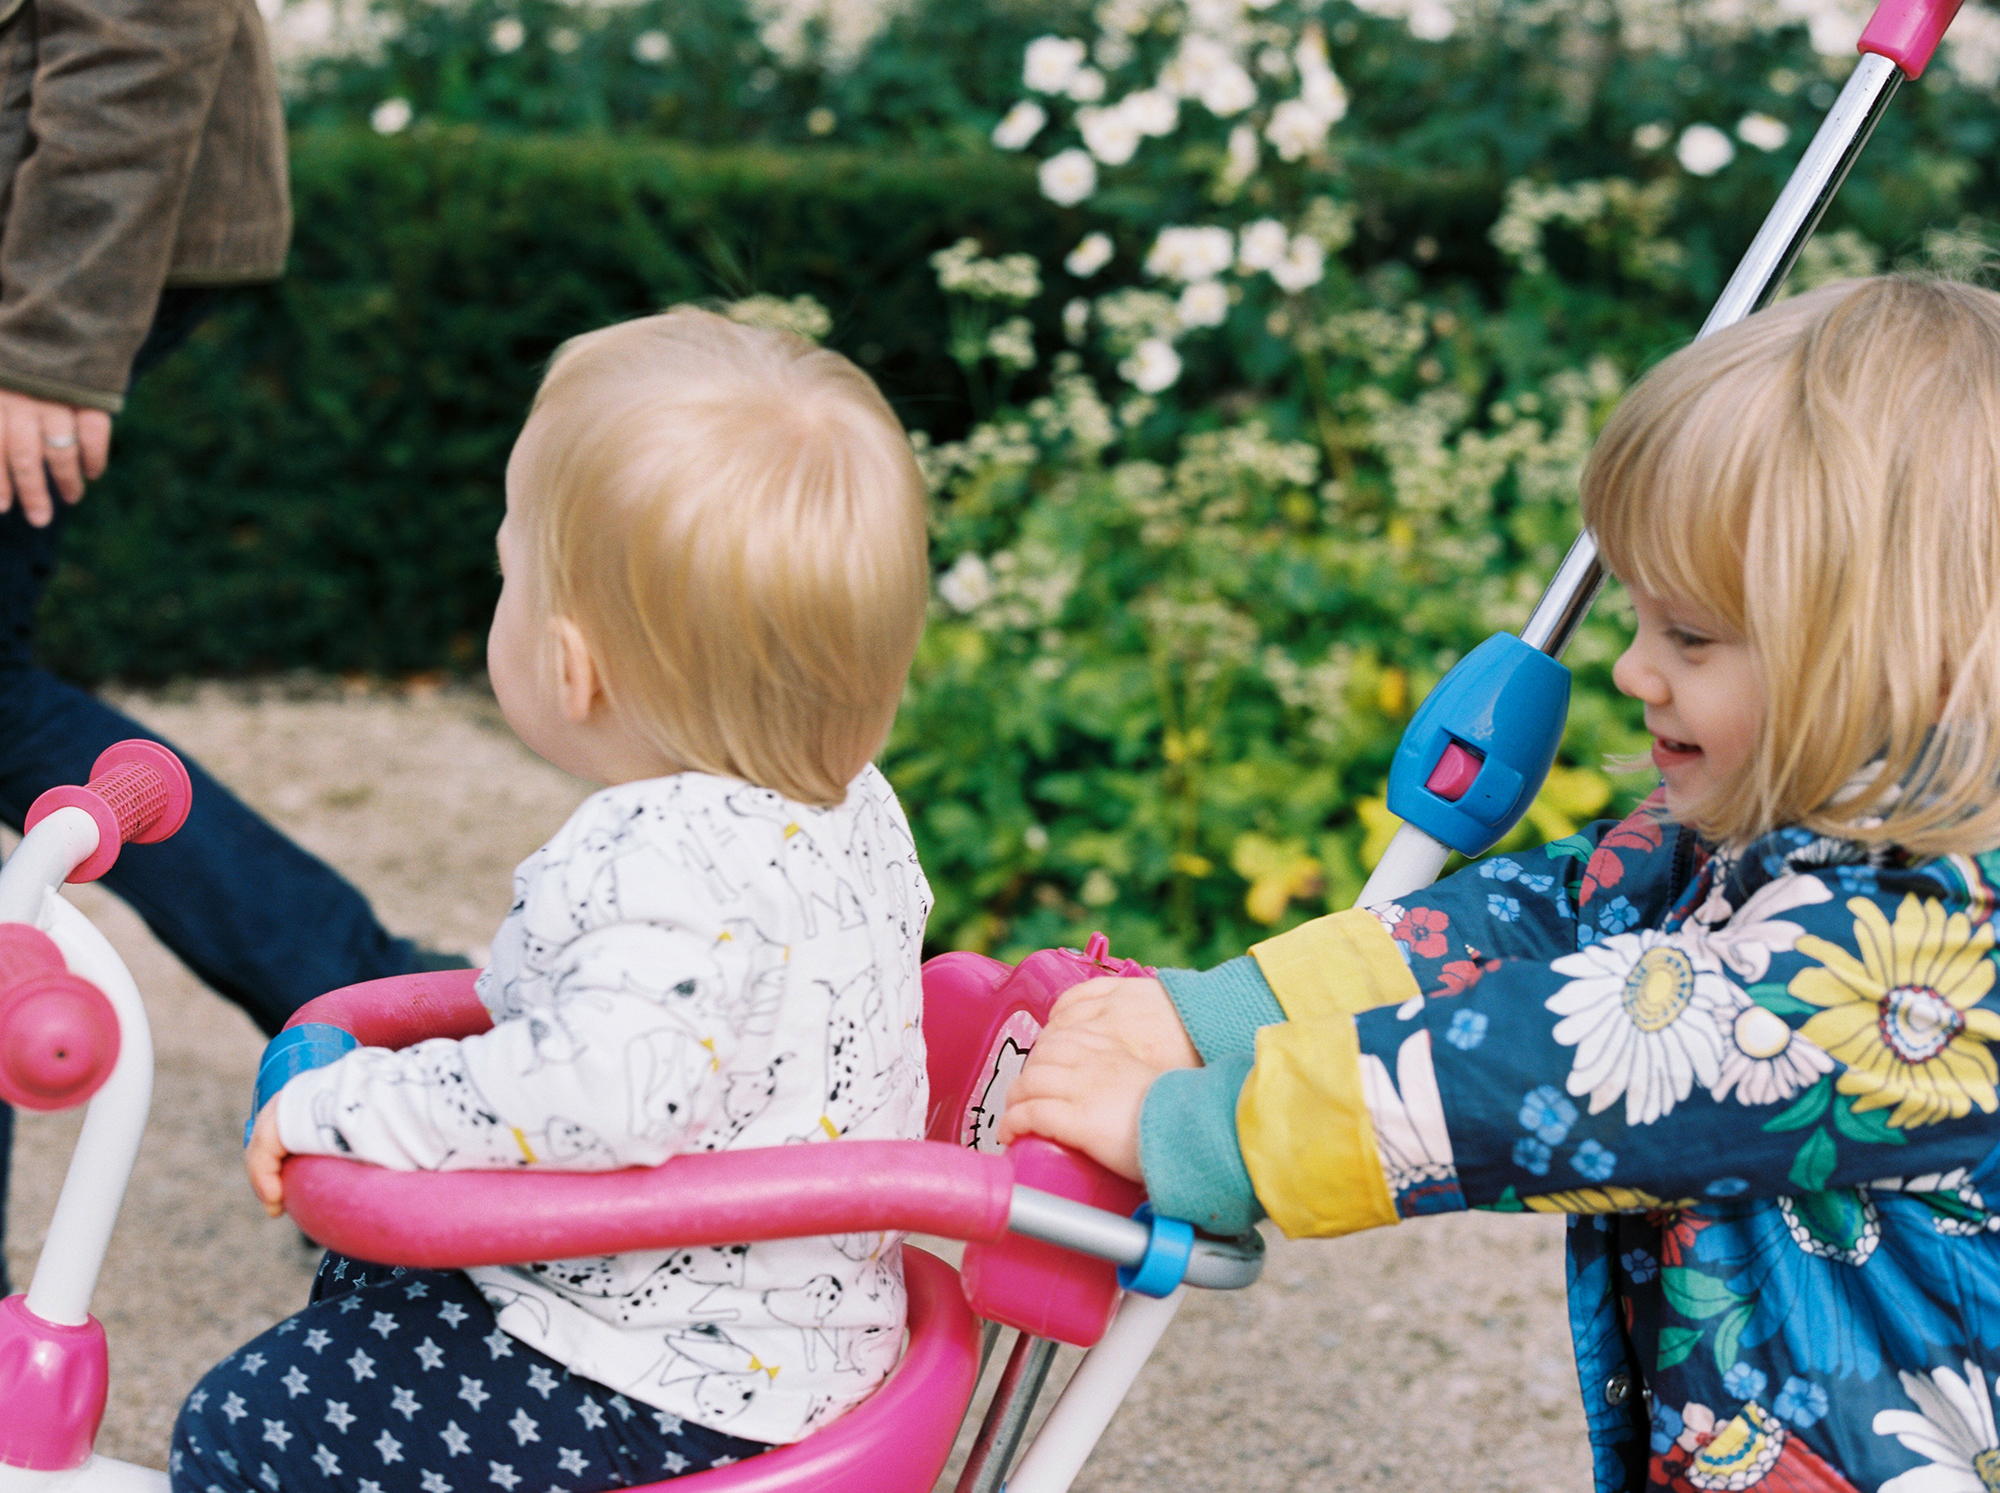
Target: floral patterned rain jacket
1763,1084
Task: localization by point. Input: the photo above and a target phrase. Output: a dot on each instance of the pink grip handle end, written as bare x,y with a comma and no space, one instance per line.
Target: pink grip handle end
58,1034
1907,32
138,793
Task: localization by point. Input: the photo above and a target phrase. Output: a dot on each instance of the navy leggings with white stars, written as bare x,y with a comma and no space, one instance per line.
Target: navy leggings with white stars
398,1381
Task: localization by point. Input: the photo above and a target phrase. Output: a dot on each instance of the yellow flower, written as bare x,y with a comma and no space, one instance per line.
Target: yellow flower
1905,1016
1600,1200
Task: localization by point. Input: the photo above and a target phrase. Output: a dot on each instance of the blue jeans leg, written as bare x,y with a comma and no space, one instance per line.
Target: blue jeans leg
260,920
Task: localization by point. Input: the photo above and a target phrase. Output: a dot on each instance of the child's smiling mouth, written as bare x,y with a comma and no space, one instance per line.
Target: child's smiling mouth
1670,753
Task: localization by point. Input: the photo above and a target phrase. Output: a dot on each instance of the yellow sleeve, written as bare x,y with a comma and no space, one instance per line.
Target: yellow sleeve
1340,964
1302,1118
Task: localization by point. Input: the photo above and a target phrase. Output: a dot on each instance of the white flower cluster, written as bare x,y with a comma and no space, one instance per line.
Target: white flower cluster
1020,590
801,315
1223,45
1011,277
1260,67
1614,211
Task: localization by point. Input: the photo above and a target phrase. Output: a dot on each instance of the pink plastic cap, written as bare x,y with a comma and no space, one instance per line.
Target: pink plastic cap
53,1382
1908,31
1455,772
138,793
58,1034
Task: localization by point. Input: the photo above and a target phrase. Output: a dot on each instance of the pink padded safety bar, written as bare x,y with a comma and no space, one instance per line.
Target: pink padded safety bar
438,1220
1908,31
402,1009
896,1440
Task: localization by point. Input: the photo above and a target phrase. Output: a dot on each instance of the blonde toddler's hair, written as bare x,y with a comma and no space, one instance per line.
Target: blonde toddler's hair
734,520
1824,478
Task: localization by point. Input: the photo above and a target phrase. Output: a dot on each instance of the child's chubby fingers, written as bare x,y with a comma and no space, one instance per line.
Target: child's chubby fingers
1136,1013
264,1159
1086,1091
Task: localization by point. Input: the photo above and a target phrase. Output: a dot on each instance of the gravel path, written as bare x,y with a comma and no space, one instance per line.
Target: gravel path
1389,1361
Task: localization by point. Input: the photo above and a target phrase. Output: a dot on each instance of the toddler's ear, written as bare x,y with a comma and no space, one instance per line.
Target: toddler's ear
578,688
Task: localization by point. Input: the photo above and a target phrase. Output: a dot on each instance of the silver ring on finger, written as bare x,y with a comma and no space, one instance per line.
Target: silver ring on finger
59,442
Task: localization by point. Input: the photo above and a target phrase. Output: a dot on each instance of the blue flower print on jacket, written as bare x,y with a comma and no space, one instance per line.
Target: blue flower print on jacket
1548,1114
1819,1286
1467,1030
1801,1402
1765,1084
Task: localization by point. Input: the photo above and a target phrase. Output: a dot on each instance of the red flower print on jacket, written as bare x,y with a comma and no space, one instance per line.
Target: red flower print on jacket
1423,930
1642,831
1677,1231
1460,975
1753,1451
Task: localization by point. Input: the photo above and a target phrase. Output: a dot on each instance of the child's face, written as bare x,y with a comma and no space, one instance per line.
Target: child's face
1702,691
519,648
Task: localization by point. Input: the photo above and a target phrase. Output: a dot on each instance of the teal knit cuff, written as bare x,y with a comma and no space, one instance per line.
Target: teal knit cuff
1223,1007
1188,1151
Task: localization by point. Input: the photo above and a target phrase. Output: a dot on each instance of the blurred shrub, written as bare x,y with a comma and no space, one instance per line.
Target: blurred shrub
315,479
1185,606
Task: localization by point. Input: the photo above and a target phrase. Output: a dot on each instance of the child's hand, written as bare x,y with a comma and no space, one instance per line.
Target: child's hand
266,1154
1136,1014
1084,1089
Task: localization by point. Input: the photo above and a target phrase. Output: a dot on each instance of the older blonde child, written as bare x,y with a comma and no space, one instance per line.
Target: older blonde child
1745,1037
715,575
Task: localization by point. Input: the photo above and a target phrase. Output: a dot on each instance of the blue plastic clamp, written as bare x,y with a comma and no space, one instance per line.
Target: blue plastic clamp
1507,703
1168,1246
295,1050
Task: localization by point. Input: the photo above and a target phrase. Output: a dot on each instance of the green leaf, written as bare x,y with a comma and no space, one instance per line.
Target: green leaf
1812,1168
1575,847
1506,1203
1675,1344
1696,1295
1872,1126
1728,1334
1804,1110
1778,999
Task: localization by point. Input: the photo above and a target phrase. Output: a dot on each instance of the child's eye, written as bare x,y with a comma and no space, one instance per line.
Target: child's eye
1684,639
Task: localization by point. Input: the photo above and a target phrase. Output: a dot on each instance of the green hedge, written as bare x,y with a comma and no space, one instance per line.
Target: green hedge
313,482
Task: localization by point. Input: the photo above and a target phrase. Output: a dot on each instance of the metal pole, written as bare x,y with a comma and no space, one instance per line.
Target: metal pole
1007,1417
1761,271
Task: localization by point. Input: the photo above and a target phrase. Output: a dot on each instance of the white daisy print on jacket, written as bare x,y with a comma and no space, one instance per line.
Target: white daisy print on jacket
1649,1015
1408,1113
1954,1429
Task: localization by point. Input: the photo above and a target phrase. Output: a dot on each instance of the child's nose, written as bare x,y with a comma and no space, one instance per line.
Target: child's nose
1637,678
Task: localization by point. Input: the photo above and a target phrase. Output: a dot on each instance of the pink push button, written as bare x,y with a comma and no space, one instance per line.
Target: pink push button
1454,773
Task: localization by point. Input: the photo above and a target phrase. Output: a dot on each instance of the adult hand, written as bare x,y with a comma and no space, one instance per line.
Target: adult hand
264,1158
40,439
1082,1089
1137,1014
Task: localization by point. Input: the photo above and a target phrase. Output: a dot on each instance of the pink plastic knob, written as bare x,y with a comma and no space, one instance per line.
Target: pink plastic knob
53,1381
58,1034
1455,772
1908,31
138,793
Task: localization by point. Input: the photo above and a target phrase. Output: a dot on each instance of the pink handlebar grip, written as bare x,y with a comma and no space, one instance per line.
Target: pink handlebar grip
1908,31
442,1220
138,793
58,1034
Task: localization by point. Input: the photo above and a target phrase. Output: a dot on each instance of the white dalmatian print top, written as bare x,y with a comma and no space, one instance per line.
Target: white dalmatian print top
691,964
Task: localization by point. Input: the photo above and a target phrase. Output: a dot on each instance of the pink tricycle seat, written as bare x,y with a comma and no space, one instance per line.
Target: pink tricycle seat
980,1016
898,1439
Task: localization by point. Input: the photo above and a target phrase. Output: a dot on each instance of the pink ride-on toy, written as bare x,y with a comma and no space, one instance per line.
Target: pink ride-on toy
1052,1248
1039,1223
